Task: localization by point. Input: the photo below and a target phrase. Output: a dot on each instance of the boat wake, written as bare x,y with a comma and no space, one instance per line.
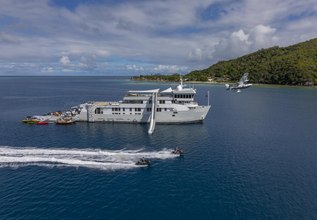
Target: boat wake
90,158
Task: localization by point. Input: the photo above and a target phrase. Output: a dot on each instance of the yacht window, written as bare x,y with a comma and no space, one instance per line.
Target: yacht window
98,111
135,101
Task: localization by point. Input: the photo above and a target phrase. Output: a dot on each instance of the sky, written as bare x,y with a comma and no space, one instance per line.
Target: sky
133,37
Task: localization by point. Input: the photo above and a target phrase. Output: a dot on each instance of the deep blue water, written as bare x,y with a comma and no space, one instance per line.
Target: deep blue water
254,157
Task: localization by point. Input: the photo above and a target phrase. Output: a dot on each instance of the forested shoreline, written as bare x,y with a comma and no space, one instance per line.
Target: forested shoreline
292,65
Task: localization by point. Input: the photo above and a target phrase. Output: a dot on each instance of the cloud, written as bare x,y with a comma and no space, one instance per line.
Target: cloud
169,69
87,62
83,63
47,69
242,42
151,69
162,35
19,68
262,36
64,61
134,67
8,38
201,54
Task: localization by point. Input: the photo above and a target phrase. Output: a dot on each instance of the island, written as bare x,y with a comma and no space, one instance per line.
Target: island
292,65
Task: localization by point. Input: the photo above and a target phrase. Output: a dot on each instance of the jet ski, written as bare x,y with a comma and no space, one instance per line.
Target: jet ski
143,161
177,151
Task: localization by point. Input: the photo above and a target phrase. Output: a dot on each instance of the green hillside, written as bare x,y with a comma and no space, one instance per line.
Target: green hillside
293,65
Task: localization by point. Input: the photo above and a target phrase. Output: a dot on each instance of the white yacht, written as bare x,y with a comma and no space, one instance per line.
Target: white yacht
147,106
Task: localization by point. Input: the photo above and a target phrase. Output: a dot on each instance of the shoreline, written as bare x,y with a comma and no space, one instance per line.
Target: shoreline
223,83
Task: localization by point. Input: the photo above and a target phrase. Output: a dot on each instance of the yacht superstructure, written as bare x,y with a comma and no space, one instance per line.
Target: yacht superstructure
146,106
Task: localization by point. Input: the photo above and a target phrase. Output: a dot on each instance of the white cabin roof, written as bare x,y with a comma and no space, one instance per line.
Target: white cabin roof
185,91
144,91
169,90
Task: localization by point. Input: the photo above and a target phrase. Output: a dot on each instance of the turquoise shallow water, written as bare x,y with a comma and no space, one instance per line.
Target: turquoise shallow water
254,157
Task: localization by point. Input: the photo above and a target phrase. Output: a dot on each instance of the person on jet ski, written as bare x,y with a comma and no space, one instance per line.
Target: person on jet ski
143,161
177,151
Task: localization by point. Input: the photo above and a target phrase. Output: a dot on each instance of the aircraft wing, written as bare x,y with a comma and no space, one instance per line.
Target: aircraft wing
244,79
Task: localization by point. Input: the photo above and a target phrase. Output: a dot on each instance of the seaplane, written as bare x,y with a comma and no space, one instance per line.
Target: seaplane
242,84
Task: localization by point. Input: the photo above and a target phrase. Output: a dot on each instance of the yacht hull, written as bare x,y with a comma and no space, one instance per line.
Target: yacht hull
181,117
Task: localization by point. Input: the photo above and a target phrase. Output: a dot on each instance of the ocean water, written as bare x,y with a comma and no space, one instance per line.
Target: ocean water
254,157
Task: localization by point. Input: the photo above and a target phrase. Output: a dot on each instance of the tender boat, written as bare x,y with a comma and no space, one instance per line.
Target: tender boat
42,123
64,121
30,120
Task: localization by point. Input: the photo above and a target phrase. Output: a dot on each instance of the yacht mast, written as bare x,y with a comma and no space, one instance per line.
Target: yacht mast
154,104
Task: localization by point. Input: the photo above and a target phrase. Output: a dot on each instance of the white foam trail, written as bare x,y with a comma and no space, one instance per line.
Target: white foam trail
92,158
